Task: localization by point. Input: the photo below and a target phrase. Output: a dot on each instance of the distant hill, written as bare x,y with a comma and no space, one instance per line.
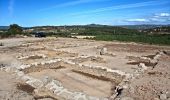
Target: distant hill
137,27
4,27
91,29
142,27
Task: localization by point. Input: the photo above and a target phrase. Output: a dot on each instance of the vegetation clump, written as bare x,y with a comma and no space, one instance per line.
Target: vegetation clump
13,31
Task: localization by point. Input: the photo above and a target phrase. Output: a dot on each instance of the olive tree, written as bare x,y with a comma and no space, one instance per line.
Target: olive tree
15,29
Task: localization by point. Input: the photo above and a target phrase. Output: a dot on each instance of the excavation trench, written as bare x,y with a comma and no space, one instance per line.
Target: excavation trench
91,81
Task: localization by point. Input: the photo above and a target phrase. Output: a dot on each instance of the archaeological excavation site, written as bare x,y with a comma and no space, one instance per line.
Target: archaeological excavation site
79,69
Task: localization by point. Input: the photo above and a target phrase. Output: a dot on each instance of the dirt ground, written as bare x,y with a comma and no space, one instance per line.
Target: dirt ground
8,88
79,69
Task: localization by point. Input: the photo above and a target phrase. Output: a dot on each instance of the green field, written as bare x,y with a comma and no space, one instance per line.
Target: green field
151,39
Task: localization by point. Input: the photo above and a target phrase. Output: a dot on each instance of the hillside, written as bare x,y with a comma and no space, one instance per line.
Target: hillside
91,29
4,27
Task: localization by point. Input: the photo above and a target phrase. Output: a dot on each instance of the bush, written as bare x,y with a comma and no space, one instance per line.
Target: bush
15,29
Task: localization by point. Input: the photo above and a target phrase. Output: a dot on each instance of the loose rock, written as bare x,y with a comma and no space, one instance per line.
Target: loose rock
163,97
103,51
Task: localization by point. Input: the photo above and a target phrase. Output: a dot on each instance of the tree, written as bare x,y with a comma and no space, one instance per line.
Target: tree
15,29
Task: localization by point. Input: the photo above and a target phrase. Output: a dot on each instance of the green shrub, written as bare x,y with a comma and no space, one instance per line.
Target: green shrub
15,29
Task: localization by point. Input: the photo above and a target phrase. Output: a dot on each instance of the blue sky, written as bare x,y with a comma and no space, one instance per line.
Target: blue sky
73,12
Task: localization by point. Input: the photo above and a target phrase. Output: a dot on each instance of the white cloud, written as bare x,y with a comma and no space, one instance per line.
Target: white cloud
11,7
164,14
162,18
154,19
72,3
137,20
135,5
